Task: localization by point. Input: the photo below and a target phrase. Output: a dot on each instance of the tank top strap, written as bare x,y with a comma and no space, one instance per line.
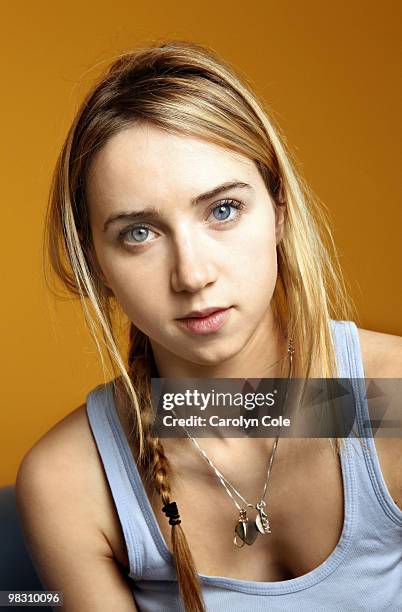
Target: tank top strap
350,365
347,349
127,489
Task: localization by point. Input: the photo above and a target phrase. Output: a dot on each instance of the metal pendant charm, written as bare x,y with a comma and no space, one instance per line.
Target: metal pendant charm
261,521
244,530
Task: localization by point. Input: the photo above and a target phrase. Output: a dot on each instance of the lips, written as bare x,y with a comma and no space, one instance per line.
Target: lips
207,324
202,313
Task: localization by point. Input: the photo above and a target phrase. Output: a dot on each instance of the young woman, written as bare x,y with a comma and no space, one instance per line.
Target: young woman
174,201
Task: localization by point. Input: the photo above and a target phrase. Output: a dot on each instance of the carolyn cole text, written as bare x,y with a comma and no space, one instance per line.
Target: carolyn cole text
215,421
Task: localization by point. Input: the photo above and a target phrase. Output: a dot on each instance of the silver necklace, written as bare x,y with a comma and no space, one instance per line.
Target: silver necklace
245,530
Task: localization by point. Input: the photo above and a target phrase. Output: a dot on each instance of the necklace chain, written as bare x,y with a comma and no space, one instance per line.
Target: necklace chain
224,481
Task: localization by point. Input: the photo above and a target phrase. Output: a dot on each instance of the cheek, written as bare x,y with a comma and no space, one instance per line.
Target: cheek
136,290
138,295
255,257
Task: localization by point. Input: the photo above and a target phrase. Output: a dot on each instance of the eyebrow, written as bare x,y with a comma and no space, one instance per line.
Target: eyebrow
153,213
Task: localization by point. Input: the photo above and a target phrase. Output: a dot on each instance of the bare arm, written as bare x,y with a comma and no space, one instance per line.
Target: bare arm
63,531
382,358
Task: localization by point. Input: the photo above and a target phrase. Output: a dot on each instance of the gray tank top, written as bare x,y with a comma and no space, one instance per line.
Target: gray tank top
362,574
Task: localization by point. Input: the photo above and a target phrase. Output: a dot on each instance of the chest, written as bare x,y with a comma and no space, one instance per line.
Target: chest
304,498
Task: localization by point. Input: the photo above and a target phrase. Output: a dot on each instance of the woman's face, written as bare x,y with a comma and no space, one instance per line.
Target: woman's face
173,251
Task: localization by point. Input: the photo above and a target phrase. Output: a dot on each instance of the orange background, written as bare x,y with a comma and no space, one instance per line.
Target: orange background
327,69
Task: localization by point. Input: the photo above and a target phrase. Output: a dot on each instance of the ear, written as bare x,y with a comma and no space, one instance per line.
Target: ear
280,211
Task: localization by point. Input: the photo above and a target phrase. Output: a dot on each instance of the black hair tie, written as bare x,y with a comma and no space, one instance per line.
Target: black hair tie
172,513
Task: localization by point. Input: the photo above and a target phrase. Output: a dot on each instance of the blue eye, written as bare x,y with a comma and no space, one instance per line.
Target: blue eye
139,233
223,210
142,233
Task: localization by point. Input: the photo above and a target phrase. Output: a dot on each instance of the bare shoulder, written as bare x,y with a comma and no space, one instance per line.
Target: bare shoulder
62,467
65,464
382,358
66,512
381,354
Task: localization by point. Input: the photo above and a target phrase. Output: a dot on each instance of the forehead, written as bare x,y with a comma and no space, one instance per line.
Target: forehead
154,165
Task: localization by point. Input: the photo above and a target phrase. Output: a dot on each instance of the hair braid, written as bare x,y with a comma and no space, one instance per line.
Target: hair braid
156,468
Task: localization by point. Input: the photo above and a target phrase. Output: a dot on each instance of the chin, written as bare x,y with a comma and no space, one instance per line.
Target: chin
211,356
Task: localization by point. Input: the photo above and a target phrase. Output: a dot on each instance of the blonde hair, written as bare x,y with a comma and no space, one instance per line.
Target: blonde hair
185,88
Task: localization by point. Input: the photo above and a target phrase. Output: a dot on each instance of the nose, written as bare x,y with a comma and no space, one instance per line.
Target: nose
193,267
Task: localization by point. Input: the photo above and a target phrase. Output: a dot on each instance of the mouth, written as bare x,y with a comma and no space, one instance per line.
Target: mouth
202,313
206,321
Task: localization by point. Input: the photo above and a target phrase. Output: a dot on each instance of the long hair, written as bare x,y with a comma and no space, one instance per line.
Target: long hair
186,88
